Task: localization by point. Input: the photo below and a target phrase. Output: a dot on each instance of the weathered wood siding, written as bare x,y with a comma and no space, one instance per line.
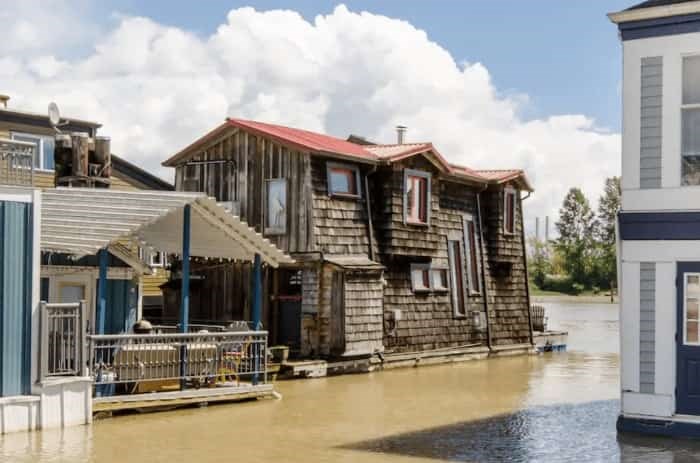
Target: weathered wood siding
508,301
363,294
236,167
340,224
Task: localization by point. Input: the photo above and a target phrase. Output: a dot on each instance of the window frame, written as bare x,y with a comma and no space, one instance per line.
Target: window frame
683,108
434,277
469,237
330,165
425,267
146,256
685,310
509,192
456,262
40,155
275,230
408,173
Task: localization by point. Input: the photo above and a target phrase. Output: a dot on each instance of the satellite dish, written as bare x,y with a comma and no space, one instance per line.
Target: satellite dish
54,115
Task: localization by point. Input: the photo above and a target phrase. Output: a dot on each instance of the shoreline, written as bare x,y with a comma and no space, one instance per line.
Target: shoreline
586,299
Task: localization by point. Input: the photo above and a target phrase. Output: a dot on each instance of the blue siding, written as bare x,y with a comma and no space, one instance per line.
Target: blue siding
659,27
659,226
15,297
121,306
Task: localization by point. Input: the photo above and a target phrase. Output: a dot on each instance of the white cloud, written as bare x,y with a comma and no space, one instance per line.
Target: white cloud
157,88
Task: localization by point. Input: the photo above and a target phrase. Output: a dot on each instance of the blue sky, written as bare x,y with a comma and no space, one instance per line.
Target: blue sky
564,54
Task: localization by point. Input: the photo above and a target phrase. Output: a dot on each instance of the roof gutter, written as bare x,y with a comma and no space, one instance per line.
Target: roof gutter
655,12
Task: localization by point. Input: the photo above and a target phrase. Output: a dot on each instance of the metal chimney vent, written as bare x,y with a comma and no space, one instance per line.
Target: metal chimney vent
400,134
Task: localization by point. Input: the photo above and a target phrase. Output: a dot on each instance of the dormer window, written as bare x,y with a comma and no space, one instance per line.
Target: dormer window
343,180
416,197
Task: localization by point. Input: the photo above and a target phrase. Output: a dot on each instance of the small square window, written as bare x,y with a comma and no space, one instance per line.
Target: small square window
439,279
420,277
343,180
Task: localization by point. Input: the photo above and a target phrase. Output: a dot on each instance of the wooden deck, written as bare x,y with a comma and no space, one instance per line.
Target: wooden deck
173,399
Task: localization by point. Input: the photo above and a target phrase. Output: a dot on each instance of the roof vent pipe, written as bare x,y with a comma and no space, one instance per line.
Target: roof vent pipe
3,101
400,134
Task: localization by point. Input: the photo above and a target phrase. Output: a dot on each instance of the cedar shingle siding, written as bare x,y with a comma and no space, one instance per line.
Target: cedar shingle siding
352,309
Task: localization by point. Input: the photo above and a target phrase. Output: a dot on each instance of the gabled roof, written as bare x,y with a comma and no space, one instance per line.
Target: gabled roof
336,147
81,221
497,177
653,9
143,177
655,3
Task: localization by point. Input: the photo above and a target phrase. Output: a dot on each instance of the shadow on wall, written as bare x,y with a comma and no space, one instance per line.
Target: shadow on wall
558,433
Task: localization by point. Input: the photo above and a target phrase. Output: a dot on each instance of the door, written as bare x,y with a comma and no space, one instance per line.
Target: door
688,339
289,298
74,288
338,313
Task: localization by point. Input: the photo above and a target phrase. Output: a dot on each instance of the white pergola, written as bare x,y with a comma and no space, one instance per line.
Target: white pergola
88,221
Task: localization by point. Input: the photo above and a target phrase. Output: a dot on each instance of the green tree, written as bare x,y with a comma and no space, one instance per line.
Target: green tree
608,207
539,261
577,231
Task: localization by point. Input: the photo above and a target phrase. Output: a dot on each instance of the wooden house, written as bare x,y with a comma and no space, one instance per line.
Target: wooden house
36,129
395,249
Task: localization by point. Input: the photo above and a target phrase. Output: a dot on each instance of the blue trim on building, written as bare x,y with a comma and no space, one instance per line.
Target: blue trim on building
659,226
658,27
658,427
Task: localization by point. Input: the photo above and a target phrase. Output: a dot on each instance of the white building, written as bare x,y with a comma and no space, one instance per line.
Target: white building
659,225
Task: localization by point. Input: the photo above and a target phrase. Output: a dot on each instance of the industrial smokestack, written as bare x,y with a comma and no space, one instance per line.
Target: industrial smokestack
400,134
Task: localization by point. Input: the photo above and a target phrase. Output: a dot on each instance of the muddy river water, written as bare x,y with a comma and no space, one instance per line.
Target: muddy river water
552,407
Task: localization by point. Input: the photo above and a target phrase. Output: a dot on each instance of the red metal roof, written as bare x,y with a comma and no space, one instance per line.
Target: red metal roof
304,139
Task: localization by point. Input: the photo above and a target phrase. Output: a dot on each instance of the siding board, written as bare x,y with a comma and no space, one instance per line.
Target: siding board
651,112
647,316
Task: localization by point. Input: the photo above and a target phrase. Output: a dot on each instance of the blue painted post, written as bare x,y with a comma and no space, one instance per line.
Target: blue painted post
102,292
185,290
257,311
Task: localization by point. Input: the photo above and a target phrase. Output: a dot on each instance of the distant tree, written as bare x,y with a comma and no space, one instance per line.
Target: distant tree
608,207
577,229
539,261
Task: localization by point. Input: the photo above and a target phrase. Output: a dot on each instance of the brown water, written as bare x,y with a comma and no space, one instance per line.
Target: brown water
552,407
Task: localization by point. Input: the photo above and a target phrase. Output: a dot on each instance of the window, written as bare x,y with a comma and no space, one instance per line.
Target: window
509,203
343,180
153,258
454,252
416,197
439,279
420,277
690,123
190,177
276,217
691,309
473,254
43,154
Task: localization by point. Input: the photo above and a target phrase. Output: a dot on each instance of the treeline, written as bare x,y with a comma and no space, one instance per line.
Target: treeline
583,257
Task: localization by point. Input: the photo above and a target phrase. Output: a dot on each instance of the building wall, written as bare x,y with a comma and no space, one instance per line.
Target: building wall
637,127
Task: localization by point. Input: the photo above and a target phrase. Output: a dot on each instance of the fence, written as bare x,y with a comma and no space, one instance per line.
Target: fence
539,321
63,332
16,162
165,361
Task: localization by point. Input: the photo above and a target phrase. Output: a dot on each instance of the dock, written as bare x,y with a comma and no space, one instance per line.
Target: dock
550,341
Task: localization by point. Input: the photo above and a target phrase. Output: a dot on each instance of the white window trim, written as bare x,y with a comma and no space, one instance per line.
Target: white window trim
421,266
428,198
40,154
434,272
279,230
509,191
685,310
452,276
474,286
684,107
338,165
146,256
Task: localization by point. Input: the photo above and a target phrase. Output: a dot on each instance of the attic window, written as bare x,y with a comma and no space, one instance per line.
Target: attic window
416,197
343,180
509,204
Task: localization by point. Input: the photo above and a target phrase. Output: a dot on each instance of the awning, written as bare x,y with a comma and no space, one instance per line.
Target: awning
351,261
81,221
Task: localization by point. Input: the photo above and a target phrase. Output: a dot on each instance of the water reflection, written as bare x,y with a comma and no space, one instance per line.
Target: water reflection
552,407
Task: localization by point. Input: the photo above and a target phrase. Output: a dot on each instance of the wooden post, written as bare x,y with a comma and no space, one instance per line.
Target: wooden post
185,291
103,155
257,310
102,292
79,143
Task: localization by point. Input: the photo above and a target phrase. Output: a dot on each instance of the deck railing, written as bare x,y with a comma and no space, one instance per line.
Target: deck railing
16,162
167,361
63,333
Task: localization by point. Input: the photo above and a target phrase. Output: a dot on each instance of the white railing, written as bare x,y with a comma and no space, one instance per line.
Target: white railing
129,363
16,162
63,332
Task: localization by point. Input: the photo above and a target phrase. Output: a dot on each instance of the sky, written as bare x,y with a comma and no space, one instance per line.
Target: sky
493,84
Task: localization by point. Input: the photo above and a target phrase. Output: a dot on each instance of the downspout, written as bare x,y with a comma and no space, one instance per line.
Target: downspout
483,267
527,276
370,226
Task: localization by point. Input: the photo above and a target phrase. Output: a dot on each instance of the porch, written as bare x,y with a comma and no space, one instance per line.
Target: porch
172,365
